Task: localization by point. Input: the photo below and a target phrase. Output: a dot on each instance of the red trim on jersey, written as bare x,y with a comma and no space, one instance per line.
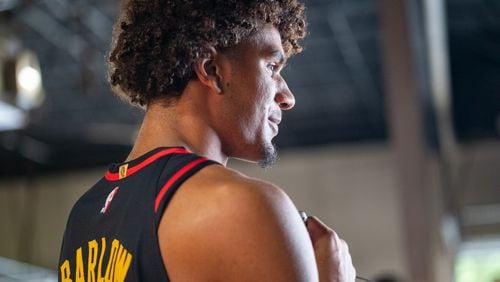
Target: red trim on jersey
131,170
174,178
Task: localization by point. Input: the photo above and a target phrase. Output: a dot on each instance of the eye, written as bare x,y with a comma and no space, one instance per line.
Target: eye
275,67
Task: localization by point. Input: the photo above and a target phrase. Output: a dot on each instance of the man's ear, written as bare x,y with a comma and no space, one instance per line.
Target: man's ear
208,71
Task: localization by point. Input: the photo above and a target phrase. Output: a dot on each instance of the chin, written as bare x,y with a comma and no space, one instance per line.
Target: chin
262,152
269,155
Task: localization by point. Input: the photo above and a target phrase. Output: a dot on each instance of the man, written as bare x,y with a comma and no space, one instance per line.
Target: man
208,74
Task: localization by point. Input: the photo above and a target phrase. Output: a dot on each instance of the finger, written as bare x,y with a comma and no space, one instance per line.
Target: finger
347,254
344,245
317,229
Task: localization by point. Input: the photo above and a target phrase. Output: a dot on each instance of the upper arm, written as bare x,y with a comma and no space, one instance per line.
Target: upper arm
242,230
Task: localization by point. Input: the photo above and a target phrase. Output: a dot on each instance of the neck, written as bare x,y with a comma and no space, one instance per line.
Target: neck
182,124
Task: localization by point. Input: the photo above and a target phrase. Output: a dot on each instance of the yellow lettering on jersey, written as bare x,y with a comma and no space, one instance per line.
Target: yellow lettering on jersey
65,272
117,266
122,264
92,260
111,261
99,268
79,266
122,171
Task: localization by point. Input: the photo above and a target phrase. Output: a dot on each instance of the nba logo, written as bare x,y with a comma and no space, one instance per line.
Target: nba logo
109,199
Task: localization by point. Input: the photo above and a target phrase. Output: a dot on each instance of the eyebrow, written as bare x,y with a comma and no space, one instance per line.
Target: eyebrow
279,55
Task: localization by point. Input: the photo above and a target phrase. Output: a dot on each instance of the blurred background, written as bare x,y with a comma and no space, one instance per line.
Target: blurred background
394,140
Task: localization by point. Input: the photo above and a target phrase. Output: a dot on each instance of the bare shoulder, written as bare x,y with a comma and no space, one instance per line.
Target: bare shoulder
242,189
217,190
233,227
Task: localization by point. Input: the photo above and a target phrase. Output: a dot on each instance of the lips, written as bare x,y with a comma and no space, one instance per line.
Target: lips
275,119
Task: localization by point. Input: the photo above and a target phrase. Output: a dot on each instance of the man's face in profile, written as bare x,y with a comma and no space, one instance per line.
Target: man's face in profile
255,95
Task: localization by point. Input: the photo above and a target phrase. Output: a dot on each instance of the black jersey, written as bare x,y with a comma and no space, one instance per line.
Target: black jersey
111,234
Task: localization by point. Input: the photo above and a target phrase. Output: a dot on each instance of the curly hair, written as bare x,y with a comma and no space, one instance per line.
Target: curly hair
156,42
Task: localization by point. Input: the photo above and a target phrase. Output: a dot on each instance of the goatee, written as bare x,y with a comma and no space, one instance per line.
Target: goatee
270,156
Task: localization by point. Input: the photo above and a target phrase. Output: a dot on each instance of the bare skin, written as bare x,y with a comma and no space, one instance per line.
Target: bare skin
222,225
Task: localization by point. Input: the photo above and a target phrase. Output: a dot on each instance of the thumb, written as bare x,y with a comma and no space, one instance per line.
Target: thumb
317,229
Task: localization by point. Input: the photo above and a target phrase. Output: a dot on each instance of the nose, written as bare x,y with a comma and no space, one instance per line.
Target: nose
284,97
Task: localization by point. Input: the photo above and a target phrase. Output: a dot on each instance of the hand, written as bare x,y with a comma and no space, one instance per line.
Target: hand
332,253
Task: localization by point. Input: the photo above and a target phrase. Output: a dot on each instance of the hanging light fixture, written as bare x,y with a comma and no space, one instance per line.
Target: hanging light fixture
29,94
21,87
21,78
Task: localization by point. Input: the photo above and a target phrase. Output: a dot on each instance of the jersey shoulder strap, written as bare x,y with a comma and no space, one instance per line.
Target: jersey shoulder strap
176,170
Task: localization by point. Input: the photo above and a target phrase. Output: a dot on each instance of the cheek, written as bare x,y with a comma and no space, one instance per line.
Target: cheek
263,100
250,102
266,89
